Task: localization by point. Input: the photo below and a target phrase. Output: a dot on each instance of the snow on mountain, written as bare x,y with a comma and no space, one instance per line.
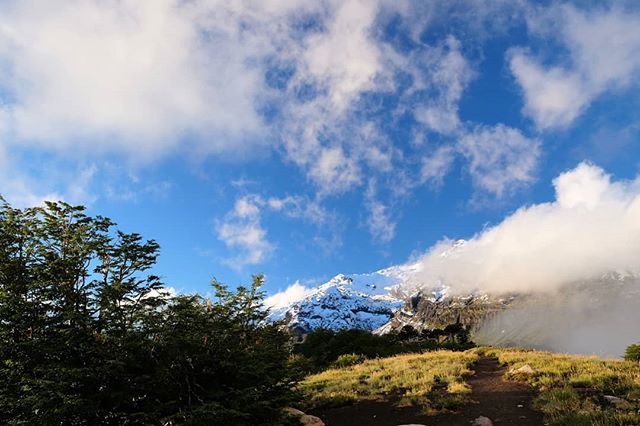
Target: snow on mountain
359,301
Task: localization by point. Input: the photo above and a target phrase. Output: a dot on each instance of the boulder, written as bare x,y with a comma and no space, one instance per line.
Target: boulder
482,421
293,412
525,370
305,419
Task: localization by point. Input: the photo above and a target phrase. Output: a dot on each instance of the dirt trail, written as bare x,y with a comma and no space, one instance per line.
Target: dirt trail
504,402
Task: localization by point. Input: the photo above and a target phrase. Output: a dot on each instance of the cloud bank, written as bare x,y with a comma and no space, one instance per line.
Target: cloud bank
599,317
590,229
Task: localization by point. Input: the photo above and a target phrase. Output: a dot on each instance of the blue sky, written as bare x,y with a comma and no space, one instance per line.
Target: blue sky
304,139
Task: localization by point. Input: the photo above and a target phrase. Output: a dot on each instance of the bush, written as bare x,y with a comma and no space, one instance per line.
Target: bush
347,360
632,353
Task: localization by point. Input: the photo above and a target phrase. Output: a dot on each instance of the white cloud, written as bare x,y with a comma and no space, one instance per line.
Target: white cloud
242,229
300,207
592,228
291,294
334,171
344,59
141,77
436,165
448,75
500,158
379,222
381,227
604,54
340,62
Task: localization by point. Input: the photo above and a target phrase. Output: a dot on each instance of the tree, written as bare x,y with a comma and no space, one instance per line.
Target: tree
88,336
407,333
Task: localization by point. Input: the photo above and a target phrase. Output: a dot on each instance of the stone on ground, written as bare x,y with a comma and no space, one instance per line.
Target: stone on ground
525,370
309,420
482,421
305,419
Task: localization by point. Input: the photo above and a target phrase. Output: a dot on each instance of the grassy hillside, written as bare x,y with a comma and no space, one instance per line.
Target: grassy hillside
577,390
434,380
572,390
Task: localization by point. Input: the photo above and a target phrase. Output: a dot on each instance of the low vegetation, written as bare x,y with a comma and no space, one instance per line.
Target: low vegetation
578,390
433,380
326,348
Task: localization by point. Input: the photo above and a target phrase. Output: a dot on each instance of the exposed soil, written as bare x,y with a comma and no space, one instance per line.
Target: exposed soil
504,402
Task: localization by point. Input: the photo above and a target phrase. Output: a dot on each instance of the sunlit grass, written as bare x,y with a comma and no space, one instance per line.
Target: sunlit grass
434,380
572,387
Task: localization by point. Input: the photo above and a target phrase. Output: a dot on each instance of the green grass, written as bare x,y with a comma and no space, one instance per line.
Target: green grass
571,388
433,380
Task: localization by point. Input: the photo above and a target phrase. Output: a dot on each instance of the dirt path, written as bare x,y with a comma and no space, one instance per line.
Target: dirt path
504,402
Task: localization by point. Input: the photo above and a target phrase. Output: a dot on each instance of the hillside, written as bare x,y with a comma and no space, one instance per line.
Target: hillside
458,387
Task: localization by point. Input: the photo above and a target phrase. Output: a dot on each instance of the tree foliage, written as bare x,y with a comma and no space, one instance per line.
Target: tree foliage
89,336
632,353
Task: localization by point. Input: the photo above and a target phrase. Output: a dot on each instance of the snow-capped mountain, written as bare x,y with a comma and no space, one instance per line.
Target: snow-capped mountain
359,301
380,301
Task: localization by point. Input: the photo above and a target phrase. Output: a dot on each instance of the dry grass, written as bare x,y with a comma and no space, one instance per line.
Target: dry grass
434,380
572,388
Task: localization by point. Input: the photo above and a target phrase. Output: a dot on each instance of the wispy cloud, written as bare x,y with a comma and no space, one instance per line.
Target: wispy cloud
379,222
500,158
604,53
242,229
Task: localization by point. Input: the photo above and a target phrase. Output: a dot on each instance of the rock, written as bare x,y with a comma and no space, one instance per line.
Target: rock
413,424
294,412
482,421
308,420
613,399
525,370
305,419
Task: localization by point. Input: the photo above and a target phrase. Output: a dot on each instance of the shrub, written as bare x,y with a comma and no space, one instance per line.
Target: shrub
347,360
632,353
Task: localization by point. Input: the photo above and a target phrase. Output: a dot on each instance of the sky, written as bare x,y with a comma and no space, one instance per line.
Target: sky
306,139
